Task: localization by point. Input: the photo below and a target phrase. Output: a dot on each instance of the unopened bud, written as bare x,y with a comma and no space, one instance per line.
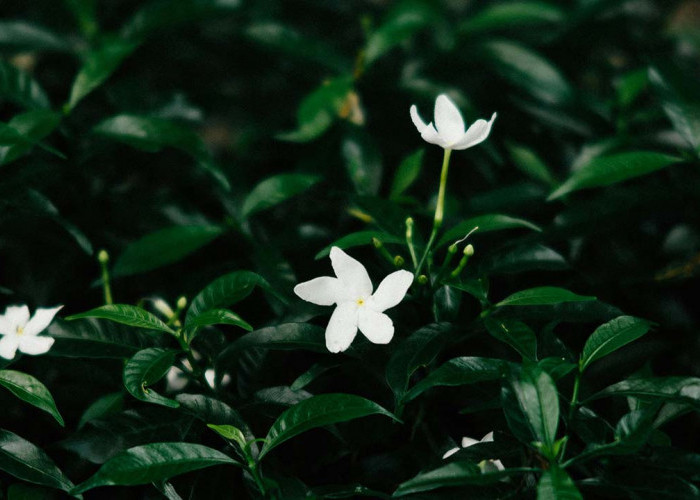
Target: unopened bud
469,250
377,243
103,257
422,279
181,303
399,261
163,308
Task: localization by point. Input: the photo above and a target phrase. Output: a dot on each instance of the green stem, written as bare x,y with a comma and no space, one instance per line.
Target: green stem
439,209
572,409
103,258
253,468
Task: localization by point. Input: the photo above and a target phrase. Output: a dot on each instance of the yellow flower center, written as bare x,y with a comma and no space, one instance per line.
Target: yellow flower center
20,330
360,302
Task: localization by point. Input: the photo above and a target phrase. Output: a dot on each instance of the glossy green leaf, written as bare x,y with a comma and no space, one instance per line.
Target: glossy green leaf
24,460
21,35
514,333
485,223
607,170
530,163
531,405
446,303
312,374
144,369
681,389
163,247
218,317
229,432
19,87
127,315
407,173
319,411
680,102
275,190
418,350
528,70
104,406
513,15
363,162
98,66
24,131
153,462
524,258
319,110
358,239
611,336
542,296
460,371
555,484
30,390
226,291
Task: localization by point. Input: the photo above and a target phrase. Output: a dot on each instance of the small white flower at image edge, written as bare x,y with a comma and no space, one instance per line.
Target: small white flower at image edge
449,132
356,306
485,465
21,332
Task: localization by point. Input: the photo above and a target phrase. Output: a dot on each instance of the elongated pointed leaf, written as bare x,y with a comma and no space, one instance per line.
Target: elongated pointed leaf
24,460
555,484
407,173
153,462
24,132
275,190
24,36
528,161
20,88
319,411
30,390
607,170
106,405
514,333
485,223
682,389
126,314
363,162
543,295
218,317
680,102
312,374
512,15
611,336
460,371
146,368
163,247
523,259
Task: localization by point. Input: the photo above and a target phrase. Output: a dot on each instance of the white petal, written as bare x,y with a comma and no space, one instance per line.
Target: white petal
41,319
430,135
351,273
448,120
487,438
16,316
487,466
31,344
210,377
391,290
323,291
342,327
477,133
449,453
417,120
376,326
8,346
175,379
467,442
499,465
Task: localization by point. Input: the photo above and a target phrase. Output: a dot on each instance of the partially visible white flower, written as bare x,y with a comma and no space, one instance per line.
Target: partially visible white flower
449,131
484,465
176,379
210,377
19,331
356,307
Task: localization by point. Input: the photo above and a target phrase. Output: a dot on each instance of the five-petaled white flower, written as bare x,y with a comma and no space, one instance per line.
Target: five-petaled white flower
20,332
448,131
356,307
484,465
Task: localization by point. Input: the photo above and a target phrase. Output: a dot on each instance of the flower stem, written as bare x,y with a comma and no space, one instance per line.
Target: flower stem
439,209
103,258
572,408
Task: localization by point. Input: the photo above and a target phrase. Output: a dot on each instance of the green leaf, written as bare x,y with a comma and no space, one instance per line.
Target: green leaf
19,87
514,333
524,258
555,484
607,170
229,432
611,336
99,65
358,239
24,131
460,371
106,405
153,462
363,162
163,247
319,110
218,317
226,291
97,339
20,35
312,374
517,14
407,173
680,102
85,13
284,40
682,389
531,405
319,411
275,190
127,315
30,390
418,350
542,296
454,474
146,368
485,223
25,461
527,70
529,162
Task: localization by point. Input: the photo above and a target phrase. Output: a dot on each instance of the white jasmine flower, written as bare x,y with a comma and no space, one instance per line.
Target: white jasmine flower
357,307
484,465
210,377
448,131
19,331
